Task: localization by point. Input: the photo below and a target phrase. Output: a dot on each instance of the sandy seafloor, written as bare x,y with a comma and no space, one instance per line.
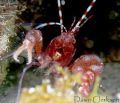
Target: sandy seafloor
109,85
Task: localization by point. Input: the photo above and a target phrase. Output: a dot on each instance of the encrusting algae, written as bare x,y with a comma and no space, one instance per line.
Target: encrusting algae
8,16
63,91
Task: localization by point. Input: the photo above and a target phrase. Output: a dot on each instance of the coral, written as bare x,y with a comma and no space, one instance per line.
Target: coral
61,92
8,16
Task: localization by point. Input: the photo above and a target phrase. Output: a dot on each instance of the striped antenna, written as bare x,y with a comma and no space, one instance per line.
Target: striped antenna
85,21
84,15
28,24
9,55
60,14
51,23
78,27
72,24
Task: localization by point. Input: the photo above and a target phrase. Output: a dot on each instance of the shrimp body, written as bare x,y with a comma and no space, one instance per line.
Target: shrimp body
61,49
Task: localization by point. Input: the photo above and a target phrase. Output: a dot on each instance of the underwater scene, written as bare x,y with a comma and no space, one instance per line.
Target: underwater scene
59,51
